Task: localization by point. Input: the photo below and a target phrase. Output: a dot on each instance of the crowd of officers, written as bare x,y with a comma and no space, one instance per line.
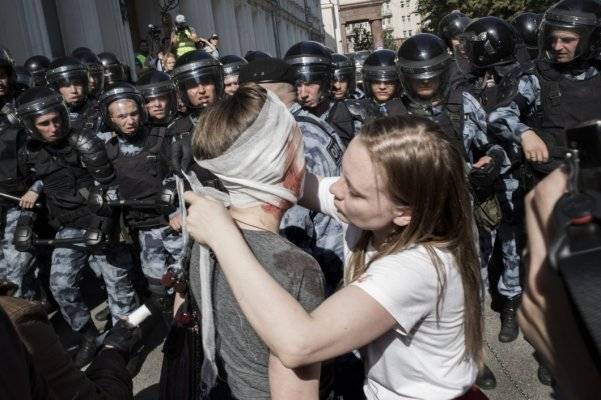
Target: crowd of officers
89,160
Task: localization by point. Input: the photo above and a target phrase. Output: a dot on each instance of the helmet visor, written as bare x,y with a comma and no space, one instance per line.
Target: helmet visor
45,119
426,87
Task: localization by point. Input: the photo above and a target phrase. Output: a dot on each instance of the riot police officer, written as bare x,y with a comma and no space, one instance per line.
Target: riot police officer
344,82
95,71
312,66
231,71
496,75
139,152
67,165
381,84
527,24
566,72
69,77
37,67
451,26
114,71
15,266
425,69
198,78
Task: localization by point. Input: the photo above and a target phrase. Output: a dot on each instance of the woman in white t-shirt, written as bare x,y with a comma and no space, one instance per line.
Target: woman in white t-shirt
410,302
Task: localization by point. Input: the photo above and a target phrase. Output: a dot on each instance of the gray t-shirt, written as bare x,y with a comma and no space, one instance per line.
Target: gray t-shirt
242,355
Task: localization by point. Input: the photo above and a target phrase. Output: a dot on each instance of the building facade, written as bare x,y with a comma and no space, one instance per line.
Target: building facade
393,19
55,27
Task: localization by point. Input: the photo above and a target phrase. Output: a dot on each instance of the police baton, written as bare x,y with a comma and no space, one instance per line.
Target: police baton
16,199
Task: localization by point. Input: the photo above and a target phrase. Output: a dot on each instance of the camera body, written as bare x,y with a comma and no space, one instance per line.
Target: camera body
575,247
154,32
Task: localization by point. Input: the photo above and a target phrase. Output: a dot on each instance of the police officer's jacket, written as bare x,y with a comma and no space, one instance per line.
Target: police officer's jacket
67,171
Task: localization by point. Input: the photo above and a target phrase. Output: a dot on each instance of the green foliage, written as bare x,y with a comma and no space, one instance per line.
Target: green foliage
361,38
433,10
389,42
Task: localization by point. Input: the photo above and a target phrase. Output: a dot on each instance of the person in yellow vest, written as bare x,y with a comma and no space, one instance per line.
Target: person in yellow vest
184,37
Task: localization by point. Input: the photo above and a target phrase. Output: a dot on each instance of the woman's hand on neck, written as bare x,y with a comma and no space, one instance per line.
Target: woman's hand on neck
256,218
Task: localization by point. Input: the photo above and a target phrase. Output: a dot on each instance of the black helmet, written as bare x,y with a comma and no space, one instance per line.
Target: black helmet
231,64
452,25
39,101
81,50
64,71
424,58
37,66
113,69
311,63
527,24
489,42
379,66
252,55
196,67
23,78
154,84
120,91
344,70
95,70
578,16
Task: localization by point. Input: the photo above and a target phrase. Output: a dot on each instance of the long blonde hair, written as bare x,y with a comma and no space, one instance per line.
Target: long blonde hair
422,169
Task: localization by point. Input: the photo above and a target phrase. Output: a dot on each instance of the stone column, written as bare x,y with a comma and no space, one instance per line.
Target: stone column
199,14
246,30
24,24
80,24
225,26
270,32
377,33
343,38
283,33
116,35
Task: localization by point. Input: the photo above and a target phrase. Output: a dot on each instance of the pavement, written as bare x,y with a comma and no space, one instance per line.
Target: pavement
512,363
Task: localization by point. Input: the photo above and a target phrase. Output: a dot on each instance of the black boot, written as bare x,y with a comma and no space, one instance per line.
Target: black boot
486,379
544,375
162,301
509,323
103,315
87,348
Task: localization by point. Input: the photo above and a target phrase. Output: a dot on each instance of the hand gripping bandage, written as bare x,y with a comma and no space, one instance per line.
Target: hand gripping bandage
265,166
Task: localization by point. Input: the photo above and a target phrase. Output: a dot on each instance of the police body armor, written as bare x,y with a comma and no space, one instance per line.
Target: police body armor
450,120
11,140
87,117
66,183
565,103
341,119
140,177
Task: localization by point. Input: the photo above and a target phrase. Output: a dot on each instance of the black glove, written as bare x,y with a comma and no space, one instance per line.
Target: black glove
122,337
483,178
181,153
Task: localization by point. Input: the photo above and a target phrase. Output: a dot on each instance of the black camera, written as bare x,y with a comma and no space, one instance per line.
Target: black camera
575,247
154,32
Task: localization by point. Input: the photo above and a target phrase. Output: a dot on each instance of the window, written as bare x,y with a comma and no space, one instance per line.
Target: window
402,4
403,18
410,32
404,34
408,18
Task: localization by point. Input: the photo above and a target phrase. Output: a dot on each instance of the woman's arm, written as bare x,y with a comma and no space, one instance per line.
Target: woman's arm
347,320
291,384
